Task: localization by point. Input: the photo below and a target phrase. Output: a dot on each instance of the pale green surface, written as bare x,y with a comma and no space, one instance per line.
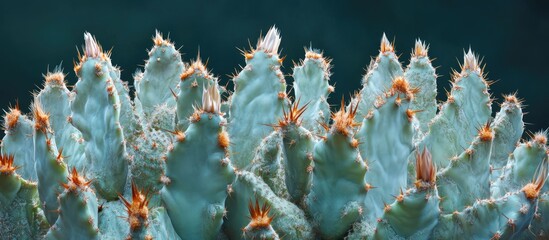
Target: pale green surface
421,75
337,193
51,173
385,143
377,80
78,218
467,178
254,104
198,180
19,143
289,223
457,122
96,113
311,87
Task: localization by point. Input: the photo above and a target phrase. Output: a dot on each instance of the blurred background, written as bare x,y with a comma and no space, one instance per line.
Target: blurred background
511,36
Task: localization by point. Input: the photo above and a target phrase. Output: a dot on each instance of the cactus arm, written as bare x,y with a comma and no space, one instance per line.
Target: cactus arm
508,127
382,70
258,99
521,166
161,76
55,101
199,172
311,86
422,76
49,164
18,142
467,178
298,146
289,221
78,211
385,142
467,107
335,200
191,86
96,113
22,217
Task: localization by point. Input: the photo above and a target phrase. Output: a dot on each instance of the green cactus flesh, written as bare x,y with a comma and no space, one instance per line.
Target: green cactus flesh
183,158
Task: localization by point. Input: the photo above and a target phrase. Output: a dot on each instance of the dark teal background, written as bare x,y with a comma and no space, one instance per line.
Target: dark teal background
512,37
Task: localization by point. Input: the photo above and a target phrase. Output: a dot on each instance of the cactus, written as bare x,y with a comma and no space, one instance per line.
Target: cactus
187,159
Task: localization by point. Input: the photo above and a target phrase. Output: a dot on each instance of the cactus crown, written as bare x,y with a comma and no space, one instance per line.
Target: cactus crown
41,118
425,170
401,86
159,40
420,49
196,67
532,189
57,77
6,164
259,215
344,120
76,181
271,42
485,132
211,100
293,114
138,209
386,46
11,118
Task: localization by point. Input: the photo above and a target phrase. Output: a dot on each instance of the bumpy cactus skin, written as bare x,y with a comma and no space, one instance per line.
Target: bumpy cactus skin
188,159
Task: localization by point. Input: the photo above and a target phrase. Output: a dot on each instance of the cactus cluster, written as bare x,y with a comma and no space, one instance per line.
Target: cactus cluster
185,158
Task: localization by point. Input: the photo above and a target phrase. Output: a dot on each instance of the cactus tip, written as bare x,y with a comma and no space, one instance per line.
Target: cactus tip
470,61
271,42
92,48
12,117
41,118
259,215
138,209
485,132
420,49
211,100
75,181
425,170
532,189
6,164
344,119
386,46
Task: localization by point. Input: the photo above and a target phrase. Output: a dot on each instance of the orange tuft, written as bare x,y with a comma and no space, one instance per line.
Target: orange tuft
137,210
343,119
6,164
400,85
532,189
41,119
354,143
485,133
540,138
386,46
55,78
248,55
425,170
159,40
196,67
411,113
12,117
223,139
420,49
259,216
313,55
75,181
292,115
